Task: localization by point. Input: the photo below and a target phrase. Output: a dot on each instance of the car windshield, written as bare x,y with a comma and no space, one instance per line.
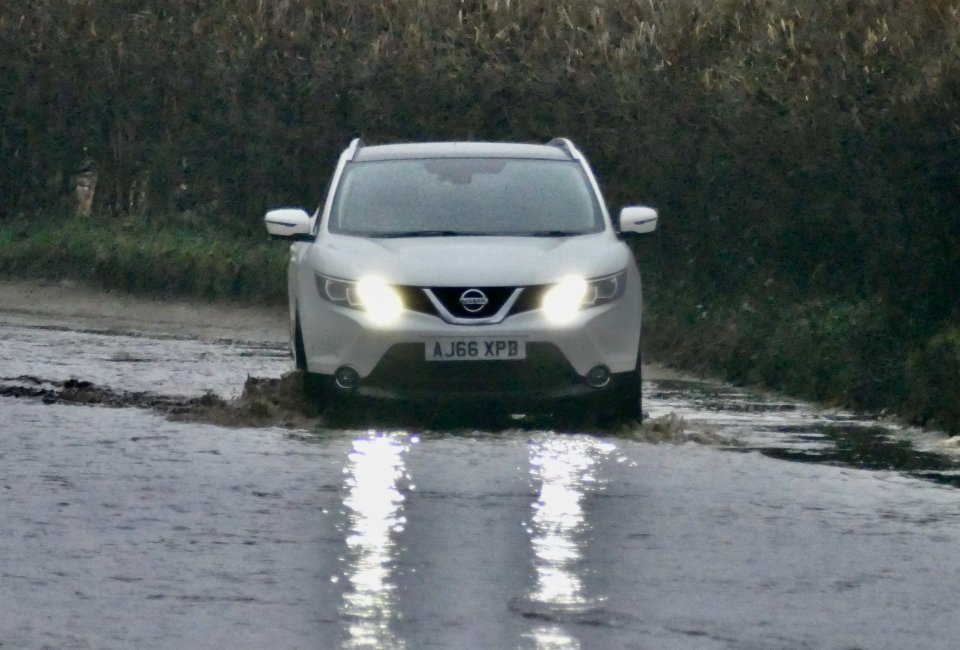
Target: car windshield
465,196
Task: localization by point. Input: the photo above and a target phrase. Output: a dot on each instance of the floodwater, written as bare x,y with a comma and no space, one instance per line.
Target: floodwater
786,527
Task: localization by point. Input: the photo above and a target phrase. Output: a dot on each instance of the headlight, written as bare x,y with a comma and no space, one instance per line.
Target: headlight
372,295
380,300
339,292
562,301
600,291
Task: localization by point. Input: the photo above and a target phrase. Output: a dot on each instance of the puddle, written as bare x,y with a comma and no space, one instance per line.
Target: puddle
128,524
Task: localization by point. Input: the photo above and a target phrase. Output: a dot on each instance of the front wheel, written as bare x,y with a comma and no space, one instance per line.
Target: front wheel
316,387
617,404
299,352
623,403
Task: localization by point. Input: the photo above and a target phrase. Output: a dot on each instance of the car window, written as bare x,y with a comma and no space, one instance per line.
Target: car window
484,196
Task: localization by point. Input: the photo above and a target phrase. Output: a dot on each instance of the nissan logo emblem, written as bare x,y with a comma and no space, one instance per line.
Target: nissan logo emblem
473,300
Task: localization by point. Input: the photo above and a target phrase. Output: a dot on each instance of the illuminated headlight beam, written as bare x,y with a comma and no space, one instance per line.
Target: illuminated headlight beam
562,301
380,300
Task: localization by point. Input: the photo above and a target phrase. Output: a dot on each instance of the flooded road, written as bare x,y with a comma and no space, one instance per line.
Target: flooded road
122,528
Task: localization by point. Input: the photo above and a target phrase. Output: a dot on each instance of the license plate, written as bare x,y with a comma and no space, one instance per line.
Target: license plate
475,349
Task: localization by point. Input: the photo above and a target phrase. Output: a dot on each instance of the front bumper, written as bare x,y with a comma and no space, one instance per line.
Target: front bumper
403,371
390,361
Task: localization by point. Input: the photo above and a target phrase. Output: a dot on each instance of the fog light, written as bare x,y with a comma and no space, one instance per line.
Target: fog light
346,378
598,376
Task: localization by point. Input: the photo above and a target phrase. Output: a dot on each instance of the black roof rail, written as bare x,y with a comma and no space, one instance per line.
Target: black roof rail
566,145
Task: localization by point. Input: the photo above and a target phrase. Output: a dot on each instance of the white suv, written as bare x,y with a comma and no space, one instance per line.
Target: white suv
467,270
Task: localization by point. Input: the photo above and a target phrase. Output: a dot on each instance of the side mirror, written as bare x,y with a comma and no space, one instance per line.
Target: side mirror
638,219
289,223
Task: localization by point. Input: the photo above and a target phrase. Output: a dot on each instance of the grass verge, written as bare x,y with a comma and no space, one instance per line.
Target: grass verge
145,257
843,352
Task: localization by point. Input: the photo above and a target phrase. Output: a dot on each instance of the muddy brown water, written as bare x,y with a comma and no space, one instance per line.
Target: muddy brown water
130,520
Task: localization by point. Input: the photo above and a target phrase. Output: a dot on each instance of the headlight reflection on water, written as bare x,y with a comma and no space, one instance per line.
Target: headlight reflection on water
375,514
565,469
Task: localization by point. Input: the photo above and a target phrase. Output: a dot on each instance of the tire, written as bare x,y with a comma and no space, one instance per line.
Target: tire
299,352
618,404
623,403
316,387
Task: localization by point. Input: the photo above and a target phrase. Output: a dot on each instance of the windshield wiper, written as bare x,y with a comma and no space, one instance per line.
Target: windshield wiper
427,233
466,233
554,233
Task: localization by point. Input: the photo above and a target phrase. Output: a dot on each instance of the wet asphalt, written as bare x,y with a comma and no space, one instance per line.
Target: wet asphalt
791,527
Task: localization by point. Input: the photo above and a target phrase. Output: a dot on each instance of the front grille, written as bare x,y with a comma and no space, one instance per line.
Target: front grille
457,300
530,299
416,299
405,370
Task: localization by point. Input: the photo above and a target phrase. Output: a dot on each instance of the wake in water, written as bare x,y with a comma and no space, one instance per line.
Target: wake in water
280,402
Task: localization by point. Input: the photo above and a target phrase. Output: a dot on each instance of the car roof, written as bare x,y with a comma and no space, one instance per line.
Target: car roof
460,150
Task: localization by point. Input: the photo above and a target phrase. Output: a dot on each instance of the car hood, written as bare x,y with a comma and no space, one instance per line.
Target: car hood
470,261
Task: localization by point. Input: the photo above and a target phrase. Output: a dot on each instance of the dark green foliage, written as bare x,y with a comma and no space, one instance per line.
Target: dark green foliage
802,152
833,351
933,373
